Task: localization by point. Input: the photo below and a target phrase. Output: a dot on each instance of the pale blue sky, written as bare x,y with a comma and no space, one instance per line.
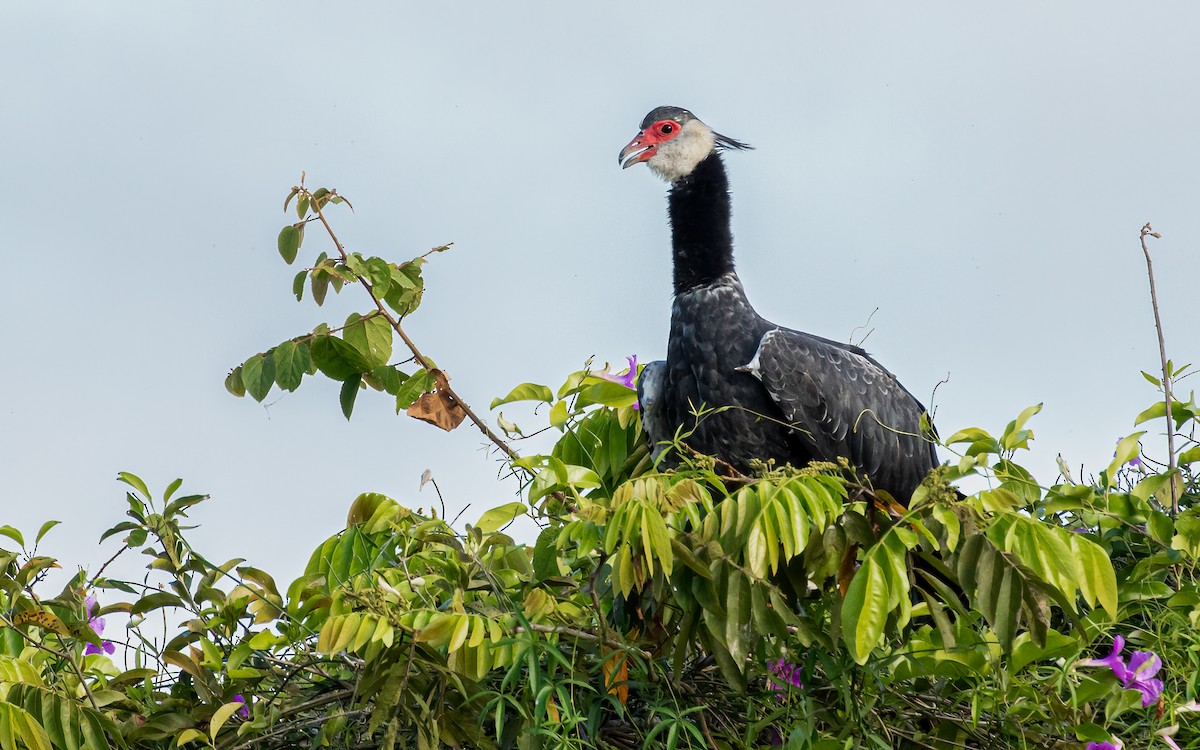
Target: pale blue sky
979,174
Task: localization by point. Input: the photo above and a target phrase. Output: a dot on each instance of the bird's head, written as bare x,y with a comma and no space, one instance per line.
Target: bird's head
672,142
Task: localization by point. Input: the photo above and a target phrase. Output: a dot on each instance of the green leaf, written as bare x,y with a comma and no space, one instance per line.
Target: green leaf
336,359
1160,527
1180,412
525,392
1127,449
558,414
13,534
545,554
258,375
371,337
1025,651
320,285
289,242
17,723
233,382
607,393
406,287
134,481
1094,571
155,601
42,531
292,361
220,716
1015,436
298,284
349,393
496,518
864,610
412,388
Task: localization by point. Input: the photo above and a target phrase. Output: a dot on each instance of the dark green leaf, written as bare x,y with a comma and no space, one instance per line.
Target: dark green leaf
335,358
349,393
298,284
545,554
320,285
183,504
289,243
387,379
155,601
292,361
258,375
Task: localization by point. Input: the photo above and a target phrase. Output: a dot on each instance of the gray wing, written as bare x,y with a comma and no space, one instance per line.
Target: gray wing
840,402
651,385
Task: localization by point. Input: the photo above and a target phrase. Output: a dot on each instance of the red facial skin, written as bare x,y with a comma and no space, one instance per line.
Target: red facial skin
649,139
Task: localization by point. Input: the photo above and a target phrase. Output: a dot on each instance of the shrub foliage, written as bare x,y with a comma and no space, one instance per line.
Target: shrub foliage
689,607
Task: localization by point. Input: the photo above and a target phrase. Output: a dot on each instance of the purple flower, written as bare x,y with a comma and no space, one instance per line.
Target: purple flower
782,675
96,623
1143,665
627,379
1103,746
1137,675
243,711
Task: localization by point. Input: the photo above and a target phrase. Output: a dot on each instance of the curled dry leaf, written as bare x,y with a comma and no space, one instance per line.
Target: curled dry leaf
438,407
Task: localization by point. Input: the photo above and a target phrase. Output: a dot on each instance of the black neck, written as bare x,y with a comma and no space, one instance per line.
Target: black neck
699,208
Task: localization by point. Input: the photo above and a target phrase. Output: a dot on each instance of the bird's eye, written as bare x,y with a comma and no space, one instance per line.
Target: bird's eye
666,128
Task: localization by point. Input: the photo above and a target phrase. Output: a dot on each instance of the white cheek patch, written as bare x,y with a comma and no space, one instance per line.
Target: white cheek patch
678,157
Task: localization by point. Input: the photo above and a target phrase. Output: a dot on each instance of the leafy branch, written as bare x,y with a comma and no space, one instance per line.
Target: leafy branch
443,385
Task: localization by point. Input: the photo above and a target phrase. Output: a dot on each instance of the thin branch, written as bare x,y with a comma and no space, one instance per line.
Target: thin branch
301,725
91,583
412,347
64,655
1166,380
581,634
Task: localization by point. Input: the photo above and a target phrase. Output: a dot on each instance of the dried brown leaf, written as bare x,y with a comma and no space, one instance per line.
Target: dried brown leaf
438,407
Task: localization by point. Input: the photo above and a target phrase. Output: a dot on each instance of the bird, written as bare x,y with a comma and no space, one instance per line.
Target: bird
737,386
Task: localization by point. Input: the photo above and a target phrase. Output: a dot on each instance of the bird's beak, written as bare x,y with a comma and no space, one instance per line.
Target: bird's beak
640,149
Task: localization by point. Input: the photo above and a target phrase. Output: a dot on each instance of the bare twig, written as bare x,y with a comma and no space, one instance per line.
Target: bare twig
100,572
1166,379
